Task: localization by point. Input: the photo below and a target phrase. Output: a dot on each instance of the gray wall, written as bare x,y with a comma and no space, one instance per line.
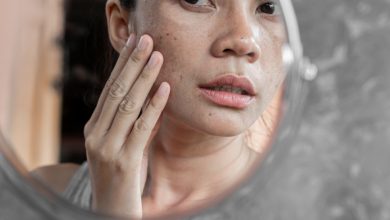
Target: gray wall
340,166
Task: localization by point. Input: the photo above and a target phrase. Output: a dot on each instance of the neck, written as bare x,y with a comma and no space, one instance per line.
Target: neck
188,165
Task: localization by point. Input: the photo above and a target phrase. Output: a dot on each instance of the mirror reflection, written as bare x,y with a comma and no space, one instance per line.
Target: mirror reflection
166,105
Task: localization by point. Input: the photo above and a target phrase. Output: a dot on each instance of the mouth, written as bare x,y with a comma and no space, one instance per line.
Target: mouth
227,88
229,91
232,84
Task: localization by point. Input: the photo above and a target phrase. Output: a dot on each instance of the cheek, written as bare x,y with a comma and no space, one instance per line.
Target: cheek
181,61
166,42
271,63
175,37
173,69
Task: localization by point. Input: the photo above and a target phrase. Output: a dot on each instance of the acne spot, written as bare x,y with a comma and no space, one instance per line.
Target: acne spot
160,39
167,34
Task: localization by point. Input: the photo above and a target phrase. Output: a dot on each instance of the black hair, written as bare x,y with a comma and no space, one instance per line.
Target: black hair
108,56
129,4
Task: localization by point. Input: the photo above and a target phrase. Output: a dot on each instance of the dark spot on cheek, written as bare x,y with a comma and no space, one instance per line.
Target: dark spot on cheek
168,34
210,114
160,39
181,77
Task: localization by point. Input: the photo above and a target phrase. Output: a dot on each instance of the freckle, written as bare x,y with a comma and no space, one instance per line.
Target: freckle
210,114
181,77
167,34
174,38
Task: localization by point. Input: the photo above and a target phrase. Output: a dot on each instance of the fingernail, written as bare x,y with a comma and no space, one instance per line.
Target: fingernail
143,43
153,60
131,40
164,89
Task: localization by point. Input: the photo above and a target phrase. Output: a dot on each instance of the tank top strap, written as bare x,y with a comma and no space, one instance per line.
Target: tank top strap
79,190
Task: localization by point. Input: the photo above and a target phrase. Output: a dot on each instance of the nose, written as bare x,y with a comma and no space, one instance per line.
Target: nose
237,39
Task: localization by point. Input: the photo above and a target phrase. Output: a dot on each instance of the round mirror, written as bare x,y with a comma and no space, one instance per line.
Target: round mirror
168,107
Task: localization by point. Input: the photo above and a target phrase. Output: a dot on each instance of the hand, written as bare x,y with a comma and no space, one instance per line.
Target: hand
117,135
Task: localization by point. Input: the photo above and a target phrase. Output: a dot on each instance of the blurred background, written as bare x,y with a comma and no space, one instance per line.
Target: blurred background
86,50
53,70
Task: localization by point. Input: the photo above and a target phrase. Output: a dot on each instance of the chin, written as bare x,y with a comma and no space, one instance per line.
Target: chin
223,127
224,132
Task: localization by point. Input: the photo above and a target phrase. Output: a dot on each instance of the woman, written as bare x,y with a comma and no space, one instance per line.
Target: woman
168,132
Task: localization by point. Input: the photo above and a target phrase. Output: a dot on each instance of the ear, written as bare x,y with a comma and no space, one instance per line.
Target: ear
120,24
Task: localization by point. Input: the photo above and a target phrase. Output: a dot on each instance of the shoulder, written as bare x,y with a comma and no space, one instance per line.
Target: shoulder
56,176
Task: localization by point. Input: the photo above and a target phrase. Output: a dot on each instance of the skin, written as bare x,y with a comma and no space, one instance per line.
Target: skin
193,150
197,49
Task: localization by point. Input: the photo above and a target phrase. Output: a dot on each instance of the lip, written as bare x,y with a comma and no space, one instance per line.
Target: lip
234,81
228,99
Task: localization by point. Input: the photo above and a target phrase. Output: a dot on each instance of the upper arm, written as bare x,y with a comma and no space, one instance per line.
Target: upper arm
57,176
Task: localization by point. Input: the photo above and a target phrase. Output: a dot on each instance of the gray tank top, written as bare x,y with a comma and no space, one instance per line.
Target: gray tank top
78,190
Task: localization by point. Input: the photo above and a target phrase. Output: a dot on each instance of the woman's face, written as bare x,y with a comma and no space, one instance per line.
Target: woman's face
205,39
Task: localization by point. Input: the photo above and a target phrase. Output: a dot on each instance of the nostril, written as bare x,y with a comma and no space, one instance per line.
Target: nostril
240,52
252,54
228,51
236,51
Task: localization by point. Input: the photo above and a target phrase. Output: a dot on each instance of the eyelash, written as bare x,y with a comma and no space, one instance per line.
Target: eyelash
272,4
198,6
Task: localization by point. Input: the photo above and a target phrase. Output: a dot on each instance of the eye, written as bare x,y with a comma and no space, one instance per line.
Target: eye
270,8
198,3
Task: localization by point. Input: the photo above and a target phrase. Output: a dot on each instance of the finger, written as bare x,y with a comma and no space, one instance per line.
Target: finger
143,127
123,83
122,60
131,105
154,132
